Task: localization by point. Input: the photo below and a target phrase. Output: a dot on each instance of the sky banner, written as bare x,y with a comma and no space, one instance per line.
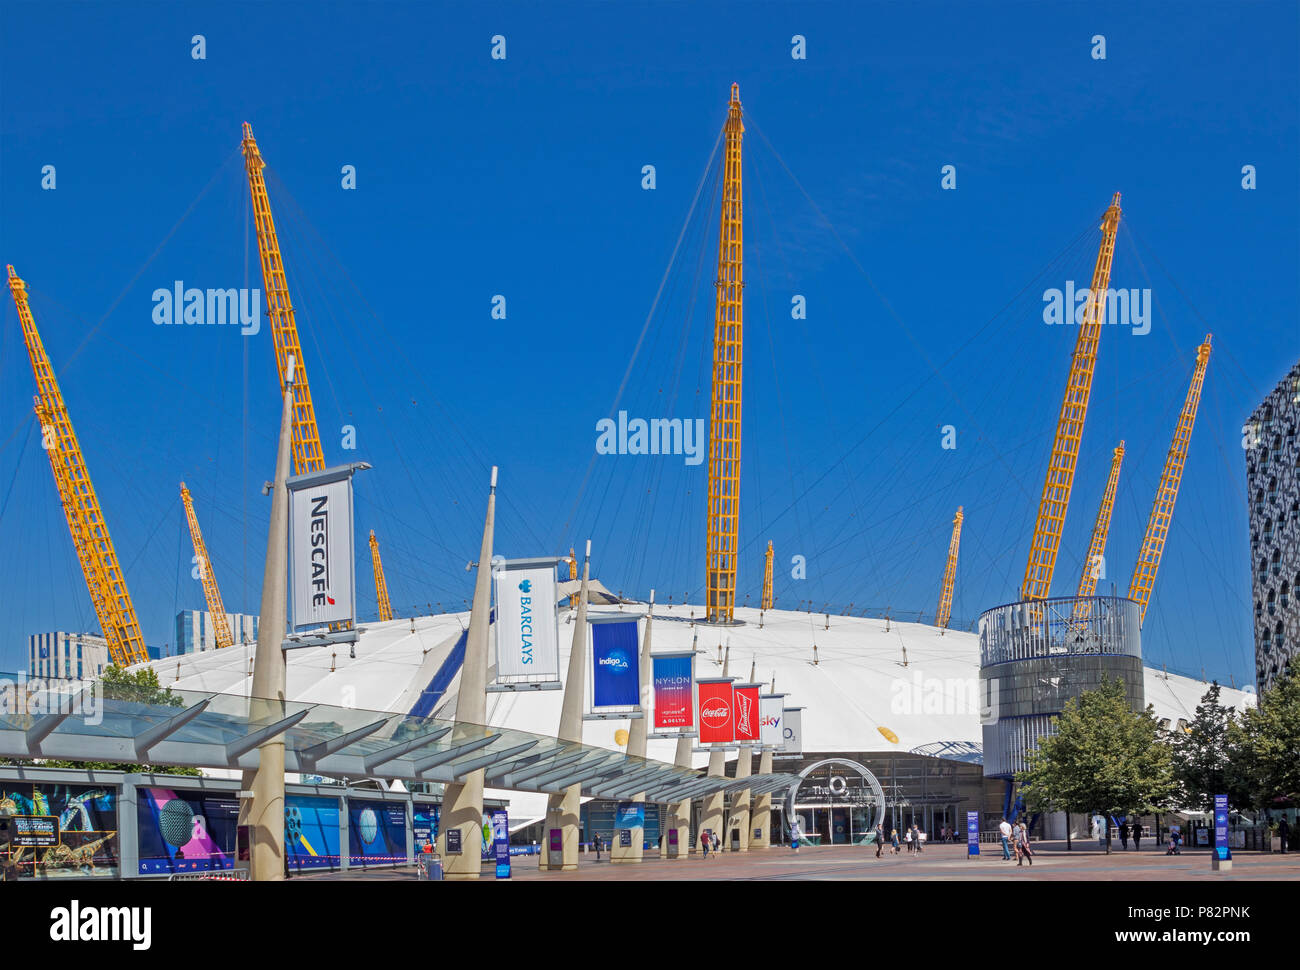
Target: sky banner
770,719
672,691
616,678
715,712
792,733
745,700
320,550
526,632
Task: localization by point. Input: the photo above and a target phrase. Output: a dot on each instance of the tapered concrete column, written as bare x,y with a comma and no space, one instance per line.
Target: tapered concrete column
636,746
740,801
462,802
563,810
762,820
713,816
679,813
265,810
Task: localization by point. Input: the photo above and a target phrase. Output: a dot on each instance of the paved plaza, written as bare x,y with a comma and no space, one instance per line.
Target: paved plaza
936,862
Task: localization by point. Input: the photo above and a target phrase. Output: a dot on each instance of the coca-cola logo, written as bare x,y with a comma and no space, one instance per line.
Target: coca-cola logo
715,713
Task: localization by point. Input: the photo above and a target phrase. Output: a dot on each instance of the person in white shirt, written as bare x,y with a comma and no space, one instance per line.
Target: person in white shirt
1005,829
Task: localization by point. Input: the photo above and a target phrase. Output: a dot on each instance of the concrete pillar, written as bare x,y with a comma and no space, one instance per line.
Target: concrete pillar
462,802
264,812
636,746
713,817
679,813
762,820
740,802
563,810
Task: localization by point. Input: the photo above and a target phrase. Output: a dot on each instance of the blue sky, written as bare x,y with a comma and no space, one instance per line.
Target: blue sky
522,177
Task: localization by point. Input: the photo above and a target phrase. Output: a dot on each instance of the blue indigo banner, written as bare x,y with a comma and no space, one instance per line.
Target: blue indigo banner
616,679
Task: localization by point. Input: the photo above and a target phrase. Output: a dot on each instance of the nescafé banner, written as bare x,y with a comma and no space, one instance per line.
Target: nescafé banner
672,691
526,632
745,701
770,719
716,725
615,671
320,551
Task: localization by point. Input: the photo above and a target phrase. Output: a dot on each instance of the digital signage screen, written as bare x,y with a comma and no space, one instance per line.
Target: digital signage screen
377,832
182,830
62,831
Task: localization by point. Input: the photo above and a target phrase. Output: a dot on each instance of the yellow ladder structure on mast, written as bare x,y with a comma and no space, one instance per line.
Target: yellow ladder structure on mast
95,551
1162,509
944,613
1069,427
767,578
381,584
723,511
1100,530
216,609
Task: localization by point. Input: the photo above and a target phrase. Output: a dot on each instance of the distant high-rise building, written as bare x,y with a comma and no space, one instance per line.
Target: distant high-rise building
1273,490
194,631
66,656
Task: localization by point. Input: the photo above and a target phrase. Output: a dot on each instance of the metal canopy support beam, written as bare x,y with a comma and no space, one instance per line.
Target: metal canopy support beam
145,741
544,781
241,746
517,776
462,768
394,751
637,781
680,791
329,746
451,754
503,772
562,779
43,728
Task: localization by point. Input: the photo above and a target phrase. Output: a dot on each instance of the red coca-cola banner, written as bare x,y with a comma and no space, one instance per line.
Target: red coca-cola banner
745,713
715,712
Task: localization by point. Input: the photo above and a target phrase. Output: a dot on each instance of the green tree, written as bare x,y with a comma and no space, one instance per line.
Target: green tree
1268,741
140,687
1102,757
1207,757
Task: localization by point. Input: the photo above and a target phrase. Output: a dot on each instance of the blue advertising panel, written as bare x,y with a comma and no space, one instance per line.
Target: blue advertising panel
501,842
1221,827
616,678
376,833
630,815
311,832
185,830
972,833
424,825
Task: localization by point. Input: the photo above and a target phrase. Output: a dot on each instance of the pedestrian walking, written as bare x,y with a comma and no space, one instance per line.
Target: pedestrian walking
795,835
717,843
1023,845
893,838
1004,828
705,841
880,839
1123,835
916,837
596,843
1284,833
907,837
1137,837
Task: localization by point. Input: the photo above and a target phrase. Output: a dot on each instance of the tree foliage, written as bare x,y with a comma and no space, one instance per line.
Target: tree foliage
1208,758
1267,741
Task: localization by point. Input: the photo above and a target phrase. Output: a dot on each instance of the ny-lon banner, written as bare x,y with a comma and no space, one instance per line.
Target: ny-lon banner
671,678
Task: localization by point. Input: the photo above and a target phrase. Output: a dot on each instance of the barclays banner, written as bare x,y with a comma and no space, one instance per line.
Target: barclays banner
615,666
771,718
321,580
526,633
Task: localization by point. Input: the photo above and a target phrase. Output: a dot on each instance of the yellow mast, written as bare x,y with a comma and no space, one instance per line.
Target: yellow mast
767,578
1069,427
381,585
944,613
723,512
216,609
95,551
573,574
1162,509
1100,530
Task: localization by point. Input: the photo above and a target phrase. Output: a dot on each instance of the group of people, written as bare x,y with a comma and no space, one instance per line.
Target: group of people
1015,837
1134,830
912,838
710,840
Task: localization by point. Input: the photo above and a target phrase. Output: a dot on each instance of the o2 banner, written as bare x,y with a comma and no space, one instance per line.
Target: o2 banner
671,679
716,724
770,719
321,577
615,668
526,633
501,842
745,700
792,733
972,833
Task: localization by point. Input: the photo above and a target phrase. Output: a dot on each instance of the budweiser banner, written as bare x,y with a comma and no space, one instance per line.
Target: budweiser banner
716,723
745,701
672,691
771,719
615,667
526,633
792,733
321,548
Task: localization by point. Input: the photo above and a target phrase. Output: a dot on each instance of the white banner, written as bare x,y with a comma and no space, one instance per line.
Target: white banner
321,553
792,731
771,719
527,635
